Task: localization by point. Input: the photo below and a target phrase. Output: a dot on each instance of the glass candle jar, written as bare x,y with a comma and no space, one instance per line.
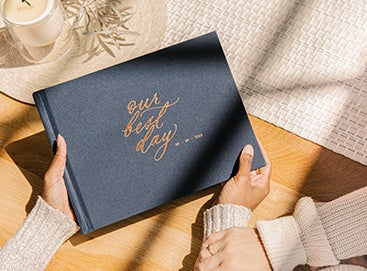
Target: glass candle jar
34,23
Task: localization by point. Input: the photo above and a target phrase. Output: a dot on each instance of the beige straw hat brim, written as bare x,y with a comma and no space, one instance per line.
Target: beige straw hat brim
19,78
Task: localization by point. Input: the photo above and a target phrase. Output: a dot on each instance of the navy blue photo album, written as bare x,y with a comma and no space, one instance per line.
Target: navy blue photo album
147,131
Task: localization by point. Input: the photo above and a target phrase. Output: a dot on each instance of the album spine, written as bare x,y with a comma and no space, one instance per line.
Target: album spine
75,198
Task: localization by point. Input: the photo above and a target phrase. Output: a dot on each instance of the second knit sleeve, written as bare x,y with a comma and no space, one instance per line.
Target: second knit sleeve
224,216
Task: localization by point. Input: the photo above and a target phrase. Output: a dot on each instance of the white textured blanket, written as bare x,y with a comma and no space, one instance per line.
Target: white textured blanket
298,64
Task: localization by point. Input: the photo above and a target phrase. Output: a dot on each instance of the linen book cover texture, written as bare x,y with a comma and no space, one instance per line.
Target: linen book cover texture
147,131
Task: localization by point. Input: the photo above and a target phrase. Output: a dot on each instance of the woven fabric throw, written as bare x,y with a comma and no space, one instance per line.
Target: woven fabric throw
298,64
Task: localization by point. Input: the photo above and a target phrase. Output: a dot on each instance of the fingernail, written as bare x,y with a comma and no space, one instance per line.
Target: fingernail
249,150
58,140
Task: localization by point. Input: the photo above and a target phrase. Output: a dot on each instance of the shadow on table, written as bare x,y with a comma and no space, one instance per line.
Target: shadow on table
197,234
332,176
33,156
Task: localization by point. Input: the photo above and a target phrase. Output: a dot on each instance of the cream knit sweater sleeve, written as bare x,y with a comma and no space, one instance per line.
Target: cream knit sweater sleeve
224,216
318,235
32,247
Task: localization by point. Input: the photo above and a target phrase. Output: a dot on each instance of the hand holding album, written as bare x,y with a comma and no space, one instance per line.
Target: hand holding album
247,188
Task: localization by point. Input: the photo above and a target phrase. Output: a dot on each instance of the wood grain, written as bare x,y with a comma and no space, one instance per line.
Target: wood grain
168,237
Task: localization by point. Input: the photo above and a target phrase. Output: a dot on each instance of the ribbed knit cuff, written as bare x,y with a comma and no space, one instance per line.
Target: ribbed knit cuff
312,234
345,222
43,232
344,267
224,216
282,243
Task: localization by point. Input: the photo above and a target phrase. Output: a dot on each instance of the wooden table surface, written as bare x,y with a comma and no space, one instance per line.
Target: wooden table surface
168,237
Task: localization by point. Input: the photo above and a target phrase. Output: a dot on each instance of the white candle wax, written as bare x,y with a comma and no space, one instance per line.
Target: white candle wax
36,24
18,11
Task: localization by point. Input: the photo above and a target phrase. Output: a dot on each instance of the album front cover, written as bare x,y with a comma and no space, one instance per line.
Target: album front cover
147,131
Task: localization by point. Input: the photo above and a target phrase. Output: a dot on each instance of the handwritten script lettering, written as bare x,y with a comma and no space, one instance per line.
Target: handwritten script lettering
147,119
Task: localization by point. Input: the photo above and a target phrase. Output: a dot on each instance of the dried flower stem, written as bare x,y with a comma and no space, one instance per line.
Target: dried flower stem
102,23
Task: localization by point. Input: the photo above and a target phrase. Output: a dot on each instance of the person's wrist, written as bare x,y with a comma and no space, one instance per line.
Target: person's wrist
231,194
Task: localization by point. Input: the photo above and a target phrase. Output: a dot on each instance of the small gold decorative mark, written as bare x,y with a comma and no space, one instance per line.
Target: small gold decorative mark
188,140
